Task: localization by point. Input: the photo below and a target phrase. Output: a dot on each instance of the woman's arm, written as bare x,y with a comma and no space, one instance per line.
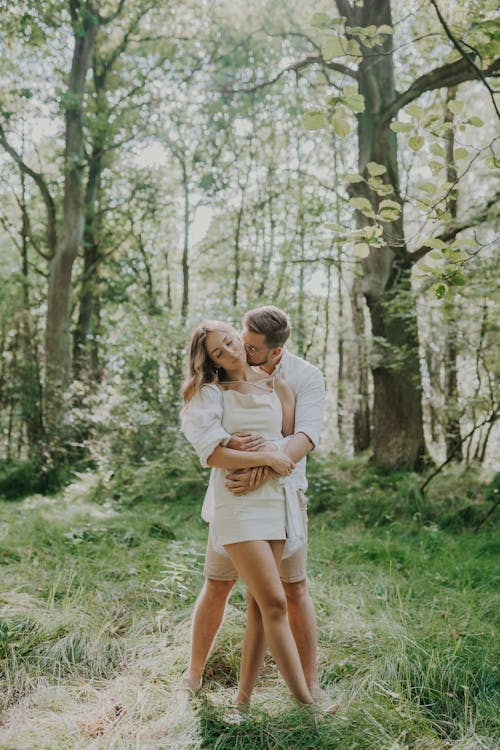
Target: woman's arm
287,399
227,458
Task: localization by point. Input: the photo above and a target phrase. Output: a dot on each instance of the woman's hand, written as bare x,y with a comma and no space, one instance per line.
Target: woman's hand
245,441
280,463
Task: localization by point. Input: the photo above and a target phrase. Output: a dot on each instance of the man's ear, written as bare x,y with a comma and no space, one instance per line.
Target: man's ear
276,352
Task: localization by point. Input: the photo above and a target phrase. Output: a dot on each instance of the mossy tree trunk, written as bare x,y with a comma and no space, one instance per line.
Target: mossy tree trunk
398,437
57,340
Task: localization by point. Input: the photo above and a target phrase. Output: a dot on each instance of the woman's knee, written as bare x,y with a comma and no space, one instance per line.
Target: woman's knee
274,606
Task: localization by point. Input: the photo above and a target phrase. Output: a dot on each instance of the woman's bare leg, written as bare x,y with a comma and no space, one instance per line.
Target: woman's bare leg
257,564
253,651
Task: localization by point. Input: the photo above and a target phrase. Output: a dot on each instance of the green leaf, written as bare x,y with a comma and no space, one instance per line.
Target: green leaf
428,269
385,29
428,187
387,203
415,111
456,279
435,242
475,121
401,127
384,190
321,20
375,169
443,215
424,203
437,149
435,255
313,120
456,106
341,126
416,142
361,250
439,290
435,166
361,204
355,102
388,214
353,48
332,48
460,153
354,177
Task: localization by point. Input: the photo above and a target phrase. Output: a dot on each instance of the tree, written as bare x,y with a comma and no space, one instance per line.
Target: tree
398,437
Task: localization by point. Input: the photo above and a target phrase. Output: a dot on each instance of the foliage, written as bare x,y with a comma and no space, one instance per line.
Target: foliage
378,498
100,583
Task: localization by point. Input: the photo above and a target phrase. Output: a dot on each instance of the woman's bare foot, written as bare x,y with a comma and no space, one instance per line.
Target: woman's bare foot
190,684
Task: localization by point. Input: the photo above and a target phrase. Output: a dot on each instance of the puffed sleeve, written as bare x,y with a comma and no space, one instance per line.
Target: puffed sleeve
201,422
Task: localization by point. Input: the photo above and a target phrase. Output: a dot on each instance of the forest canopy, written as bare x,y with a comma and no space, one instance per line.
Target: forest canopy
165,162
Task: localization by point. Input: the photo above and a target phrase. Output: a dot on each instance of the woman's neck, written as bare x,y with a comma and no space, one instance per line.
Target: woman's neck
240,373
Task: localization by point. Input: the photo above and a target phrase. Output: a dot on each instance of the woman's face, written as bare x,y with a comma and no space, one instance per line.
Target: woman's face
225,349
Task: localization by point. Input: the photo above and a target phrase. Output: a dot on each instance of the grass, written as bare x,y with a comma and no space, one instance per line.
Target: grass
99,582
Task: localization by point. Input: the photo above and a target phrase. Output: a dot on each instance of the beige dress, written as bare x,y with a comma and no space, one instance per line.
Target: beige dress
261,514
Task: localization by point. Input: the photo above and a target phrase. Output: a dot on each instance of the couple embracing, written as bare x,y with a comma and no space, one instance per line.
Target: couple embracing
253,411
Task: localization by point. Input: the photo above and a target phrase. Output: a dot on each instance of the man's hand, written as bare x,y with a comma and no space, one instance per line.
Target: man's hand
243,481
245,441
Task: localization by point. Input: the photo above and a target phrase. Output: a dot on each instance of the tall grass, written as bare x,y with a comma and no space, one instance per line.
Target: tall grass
98,585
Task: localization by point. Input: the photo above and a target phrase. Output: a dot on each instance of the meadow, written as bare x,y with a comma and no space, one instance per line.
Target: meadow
98,583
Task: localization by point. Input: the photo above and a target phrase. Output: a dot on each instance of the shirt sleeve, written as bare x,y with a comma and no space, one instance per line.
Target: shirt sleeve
201,422
310,405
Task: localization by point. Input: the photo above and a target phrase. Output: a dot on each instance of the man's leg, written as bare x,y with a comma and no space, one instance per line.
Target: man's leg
207,618
301,611
302,619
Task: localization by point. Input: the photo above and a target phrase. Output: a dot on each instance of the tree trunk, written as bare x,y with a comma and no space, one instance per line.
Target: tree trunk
81,365
185,249
61,266
361,421
31,389
452,436
398,437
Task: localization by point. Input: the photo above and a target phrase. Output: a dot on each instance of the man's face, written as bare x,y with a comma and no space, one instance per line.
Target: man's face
258,353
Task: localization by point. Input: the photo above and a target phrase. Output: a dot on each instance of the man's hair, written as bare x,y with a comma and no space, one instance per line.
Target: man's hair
270,321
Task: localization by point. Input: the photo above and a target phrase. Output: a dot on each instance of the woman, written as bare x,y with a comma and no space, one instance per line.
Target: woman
252,529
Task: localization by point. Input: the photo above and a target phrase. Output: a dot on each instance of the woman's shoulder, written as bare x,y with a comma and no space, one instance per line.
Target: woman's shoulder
282,388
209,394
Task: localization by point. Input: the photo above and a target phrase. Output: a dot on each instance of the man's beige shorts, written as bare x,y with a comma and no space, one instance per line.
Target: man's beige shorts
293,569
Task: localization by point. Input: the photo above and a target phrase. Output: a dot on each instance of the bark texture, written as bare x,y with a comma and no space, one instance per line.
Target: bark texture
57,346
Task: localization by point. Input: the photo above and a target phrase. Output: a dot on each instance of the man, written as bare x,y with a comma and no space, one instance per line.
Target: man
265,332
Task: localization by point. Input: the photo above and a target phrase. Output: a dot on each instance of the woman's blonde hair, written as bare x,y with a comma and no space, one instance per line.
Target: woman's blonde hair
201,369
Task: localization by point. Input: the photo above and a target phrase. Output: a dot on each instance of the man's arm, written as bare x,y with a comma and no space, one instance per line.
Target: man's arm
298,446
309,408
247,480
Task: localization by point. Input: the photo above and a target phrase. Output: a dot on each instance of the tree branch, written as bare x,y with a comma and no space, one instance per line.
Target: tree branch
492,418
296,67
42,186
448,75
104,20
478,73
29,233
451,232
